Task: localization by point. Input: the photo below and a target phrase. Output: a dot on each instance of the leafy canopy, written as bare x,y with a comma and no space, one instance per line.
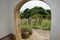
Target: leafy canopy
35,11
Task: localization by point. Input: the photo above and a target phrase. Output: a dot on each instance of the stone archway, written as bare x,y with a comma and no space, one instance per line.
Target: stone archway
17,18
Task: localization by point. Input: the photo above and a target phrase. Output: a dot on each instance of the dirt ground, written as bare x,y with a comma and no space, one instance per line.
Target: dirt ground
39,34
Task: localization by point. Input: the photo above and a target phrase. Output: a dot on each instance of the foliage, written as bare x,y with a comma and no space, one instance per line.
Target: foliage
26,27
38,16
45,24
36,10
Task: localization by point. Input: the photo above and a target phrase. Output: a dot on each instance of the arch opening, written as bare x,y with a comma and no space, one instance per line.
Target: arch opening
35,19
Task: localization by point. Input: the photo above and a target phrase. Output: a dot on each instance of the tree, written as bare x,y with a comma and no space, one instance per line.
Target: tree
30,12
38,18
49,14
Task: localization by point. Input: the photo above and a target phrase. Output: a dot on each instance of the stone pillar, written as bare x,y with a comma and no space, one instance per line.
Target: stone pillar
17,19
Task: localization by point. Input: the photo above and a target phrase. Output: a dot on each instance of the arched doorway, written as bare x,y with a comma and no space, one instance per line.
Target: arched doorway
17,19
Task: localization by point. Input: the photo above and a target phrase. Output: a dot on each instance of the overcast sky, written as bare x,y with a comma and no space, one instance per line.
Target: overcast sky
32,4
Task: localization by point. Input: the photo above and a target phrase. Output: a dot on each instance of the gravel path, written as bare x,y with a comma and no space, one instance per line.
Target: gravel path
39,34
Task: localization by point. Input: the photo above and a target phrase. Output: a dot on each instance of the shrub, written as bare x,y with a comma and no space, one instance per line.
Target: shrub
26,31
26,28
46,24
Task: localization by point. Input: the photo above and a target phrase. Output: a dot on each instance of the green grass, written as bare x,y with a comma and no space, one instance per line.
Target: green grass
37,27
45,24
